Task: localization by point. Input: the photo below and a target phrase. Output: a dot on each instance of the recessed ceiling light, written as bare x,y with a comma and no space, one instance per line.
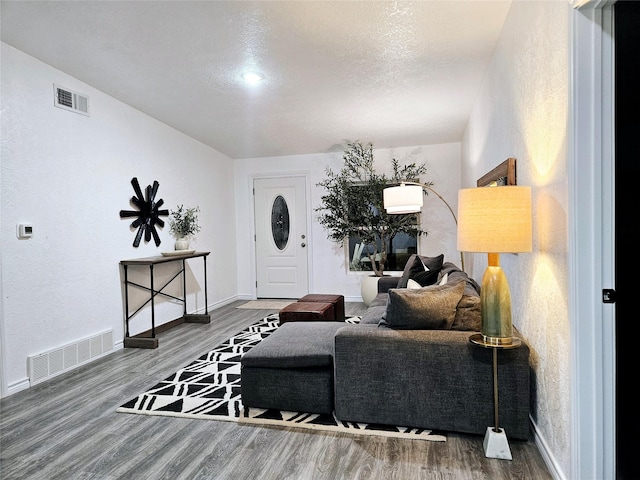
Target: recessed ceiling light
252,77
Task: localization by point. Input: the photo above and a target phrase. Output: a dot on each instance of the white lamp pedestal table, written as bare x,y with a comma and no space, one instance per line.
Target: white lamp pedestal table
495,442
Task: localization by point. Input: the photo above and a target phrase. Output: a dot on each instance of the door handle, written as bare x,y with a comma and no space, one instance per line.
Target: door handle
608,295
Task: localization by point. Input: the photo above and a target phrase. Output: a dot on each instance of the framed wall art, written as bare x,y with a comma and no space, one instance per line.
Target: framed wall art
503,174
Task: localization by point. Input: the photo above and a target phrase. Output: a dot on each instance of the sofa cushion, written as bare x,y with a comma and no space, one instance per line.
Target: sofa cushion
432,307
373,314
416,265
295,345
380,300
386,282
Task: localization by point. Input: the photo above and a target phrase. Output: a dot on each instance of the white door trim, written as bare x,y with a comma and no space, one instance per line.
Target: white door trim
3,358
251,179
591,241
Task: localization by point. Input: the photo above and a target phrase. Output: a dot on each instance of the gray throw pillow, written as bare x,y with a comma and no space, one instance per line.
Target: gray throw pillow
427,308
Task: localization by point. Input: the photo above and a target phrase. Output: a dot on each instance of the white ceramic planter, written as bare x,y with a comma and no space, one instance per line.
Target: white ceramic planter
182,243
369,289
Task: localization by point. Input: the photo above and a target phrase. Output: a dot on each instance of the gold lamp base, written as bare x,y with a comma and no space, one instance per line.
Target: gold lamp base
495,297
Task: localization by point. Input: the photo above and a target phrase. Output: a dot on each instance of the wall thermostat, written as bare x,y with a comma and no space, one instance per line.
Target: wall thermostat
25,230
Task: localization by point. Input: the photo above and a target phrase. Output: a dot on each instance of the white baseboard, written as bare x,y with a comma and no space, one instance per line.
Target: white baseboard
225,301
353,299
547,455
18,386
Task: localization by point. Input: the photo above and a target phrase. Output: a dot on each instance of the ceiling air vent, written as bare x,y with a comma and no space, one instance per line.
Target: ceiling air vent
70,100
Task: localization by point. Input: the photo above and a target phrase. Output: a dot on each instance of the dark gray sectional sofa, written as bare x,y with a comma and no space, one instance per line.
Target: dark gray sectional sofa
428,378
392,369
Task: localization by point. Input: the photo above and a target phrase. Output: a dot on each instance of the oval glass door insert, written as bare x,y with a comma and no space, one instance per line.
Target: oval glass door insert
280,222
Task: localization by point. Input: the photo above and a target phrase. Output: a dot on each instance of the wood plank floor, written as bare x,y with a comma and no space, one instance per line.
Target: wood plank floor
67,428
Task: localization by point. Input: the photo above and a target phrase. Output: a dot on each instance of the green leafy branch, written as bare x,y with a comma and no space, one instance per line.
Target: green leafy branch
352,204
184,221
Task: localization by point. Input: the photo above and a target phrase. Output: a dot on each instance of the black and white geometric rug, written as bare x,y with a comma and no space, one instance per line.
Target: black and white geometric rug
209,389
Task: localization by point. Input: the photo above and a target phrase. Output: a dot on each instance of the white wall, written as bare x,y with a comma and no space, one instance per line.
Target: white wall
328,272
69,175
522,112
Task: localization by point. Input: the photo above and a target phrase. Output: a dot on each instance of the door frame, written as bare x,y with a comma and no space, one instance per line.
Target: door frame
309,211
591,258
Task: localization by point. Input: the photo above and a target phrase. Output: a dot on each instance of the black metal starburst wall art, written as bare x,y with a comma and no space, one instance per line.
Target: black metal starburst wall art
148,212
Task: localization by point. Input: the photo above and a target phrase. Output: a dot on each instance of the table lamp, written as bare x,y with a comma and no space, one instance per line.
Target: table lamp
495,220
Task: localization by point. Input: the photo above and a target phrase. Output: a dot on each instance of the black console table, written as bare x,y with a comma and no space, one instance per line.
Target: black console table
148,339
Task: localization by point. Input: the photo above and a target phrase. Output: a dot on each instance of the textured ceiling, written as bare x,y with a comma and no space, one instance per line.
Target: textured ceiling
394,73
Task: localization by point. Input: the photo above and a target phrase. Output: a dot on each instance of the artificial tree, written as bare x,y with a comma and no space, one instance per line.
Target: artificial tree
353,203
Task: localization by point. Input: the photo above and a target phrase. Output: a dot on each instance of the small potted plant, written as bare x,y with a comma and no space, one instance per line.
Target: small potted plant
183,225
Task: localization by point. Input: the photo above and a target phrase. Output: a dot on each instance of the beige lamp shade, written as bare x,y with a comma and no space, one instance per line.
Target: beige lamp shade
494,219
403,199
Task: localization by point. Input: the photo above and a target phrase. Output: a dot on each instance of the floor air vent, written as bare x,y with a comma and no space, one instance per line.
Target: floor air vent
46,365
70,100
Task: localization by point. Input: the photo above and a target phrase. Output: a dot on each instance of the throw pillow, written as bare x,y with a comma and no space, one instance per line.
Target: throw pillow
413,285
428,277
414,265
444,279
417,267
428,308
418,264
432,263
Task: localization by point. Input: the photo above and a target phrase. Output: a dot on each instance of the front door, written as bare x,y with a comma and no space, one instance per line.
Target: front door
280,207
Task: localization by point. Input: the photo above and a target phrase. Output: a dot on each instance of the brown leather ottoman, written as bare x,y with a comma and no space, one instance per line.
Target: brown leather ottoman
337,300
307,311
